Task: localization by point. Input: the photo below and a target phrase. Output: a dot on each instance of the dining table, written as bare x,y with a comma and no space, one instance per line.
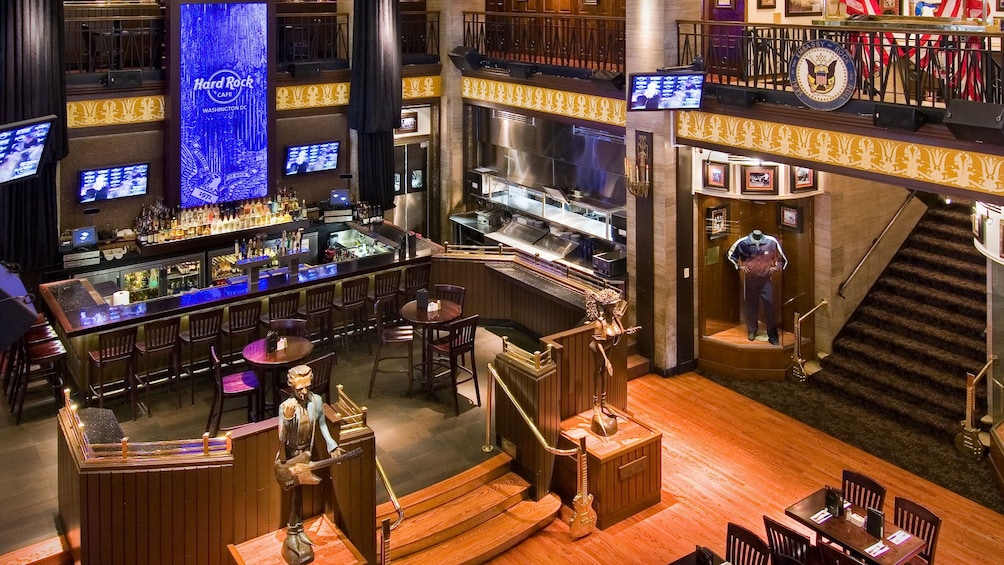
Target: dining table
272,364
427,320
896,547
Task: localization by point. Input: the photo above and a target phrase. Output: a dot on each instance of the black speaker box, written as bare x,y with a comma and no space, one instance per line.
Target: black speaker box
736,96
898,117
124,79
465,58
976,121
608,79
17,313
305,70
521,70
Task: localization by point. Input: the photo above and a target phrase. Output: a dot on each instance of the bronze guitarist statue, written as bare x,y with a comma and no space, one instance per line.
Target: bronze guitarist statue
605,310
299,418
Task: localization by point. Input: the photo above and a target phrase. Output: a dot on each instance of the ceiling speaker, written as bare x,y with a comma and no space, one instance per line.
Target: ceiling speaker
898,117
466,59
305,70
975,121
608,79
735,96
521,70
124,79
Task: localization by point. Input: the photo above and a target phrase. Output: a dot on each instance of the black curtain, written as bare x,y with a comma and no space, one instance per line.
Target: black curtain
33,85
375,95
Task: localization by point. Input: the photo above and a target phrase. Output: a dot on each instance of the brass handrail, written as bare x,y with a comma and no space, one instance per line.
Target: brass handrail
390,493
798,367
885,230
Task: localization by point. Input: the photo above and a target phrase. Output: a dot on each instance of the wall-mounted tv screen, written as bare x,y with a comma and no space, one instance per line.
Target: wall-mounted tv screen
22,146
113,182
661,91
310,158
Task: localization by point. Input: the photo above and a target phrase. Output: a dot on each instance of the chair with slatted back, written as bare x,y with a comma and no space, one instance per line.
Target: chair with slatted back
203,329
862,490
743,547
295,327
830,555
455,345
351,305
779,559
385,286
242,320
160,336
318,309
921,522
235,385
282,306
321,368
41,362
388,335
413,278
116,346
783,540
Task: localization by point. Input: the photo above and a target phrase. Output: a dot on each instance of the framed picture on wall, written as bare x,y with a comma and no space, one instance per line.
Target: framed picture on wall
803,179
803,7
409,122
768,4
724,3
790,217
979,228
717,220
759,180
716,175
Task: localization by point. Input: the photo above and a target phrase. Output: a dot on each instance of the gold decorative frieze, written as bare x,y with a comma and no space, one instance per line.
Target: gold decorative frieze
966,170
421,87
303,96
114,111
600,109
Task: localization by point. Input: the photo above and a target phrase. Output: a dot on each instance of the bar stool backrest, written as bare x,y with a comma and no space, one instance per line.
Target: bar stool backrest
453,293
462,334
283,306
354,291
786,541
862,490
116,345
386,283
416,277
743,547
244,317
204,326
319,299
289,327
161,335
321,368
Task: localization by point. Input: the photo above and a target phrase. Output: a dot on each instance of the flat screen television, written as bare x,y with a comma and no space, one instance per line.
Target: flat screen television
662,91
22,147
113,182
311,158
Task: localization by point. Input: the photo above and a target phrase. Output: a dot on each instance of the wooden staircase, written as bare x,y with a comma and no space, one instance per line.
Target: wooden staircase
469,518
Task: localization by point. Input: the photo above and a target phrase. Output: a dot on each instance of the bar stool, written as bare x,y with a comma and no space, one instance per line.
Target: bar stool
385,285
117,346
414,278
279,307
321,368
295,327
203,328
37,333
452,292
243,384
352,303
242,319
387,335
50,358
160,336
459,341
318,309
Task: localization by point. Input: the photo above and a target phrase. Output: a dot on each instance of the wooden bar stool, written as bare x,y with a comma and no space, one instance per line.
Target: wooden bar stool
117,346
459,341
387,335
160,336
352,305
318,309
414,278
280,307
235,385
242,320
50,359
203,328
385,286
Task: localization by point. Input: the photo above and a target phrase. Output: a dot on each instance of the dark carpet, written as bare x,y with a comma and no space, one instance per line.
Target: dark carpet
923,455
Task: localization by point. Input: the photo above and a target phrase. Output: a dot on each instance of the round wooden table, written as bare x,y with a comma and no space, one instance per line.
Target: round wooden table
421,317
297,349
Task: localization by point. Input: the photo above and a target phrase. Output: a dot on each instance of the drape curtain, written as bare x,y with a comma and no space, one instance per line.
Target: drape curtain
32,84
375,95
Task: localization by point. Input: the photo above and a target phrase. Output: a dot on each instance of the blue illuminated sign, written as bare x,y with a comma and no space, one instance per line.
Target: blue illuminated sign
224,102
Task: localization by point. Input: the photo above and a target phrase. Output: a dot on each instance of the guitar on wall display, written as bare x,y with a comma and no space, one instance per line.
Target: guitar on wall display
584,516
967,441
299,470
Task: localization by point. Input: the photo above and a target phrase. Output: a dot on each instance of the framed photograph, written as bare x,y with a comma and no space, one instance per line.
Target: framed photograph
803,179
790,217
716,175
803,7
725,4
979,228
768,4
409,122
1000,6
759,180
717,221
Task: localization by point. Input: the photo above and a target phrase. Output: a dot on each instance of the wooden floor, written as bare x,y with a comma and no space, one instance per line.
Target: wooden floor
727,458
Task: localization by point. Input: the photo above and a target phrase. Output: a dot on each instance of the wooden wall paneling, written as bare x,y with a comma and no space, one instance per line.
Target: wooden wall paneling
68,494
131,511
353,506
150,519
106,518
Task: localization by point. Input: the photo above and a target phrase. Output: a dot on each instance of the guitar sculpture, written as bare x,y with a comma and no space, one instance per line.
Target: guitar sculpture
584,517
299,470
967,441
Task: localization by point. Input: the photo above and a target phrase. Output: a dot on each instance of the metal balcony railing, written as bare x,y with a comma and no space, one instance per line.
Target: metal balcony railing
316,37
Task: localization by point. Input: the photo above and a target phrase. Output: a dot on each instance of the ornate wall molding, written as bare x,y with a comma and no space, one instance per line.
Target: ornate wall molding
303,96
966,170
600,109
114,111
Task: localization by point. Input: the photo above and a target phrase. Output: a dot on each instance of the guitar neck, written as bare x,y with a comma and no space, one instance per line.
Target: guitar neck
970,401
315,465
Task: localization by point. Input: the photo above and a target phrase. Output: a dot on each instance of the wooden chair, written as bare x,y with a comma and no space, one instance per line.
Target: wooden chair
289,327
414,278
830,555
452,292
920,522
236,385
281,307
779,559
116,346
321,368
160,336
351,305
743,547
318,309
203,328
862,490
387,335
459,341
385,286
242,320
783,540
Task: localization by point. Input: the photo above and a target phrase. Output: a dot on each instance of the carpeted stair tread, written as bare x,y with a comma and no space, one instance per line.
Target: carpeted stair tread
925,326
946,262
885,356
950,231
954,315
971,311
905,345
937,243
942,281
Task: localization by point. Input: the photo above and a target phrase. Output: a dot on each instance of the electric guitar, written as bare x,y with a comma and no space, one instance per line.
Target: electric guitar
967,441
299,470
584,516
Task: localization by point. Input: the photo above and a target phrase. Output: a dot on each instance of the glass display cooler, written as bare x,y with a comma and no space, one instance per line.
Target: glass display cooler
152,279
223,267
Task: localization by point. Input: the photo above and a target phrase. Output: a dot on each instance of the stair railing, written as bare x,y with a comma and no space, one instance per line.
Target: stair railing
967,441
798,366
577,525
881,236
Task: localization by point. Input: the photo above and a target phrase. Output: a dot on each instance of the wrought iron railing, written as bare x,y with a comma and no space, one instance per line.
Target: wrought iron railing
316,37
562,40
420,37
109,43
896,65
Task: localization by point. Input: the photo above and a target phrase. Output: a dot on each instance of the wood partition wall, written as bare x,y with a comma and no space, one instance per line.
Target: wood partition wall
187,508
